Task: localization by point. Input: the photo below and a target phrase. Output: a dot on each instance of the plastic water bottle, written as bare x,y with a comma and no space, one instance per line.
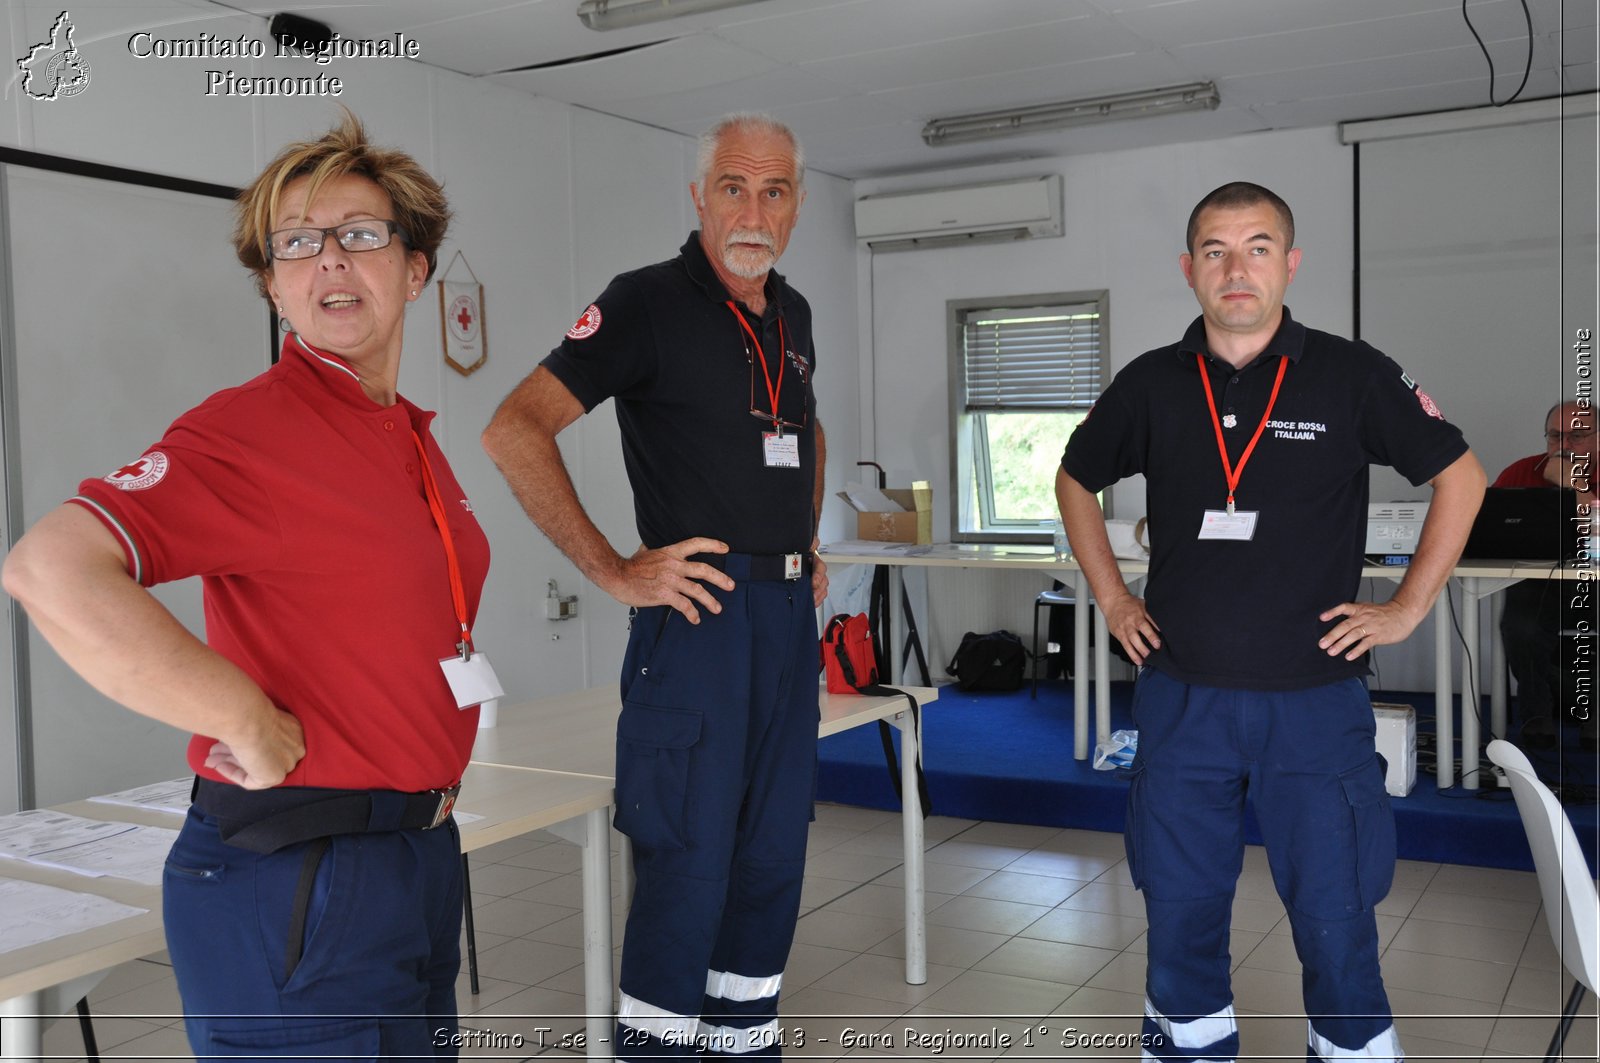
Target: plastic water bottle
1058,539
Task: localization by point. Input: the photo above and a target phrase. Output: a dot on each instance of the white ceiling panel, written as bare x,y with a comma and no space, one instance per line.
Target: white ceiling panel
398,14
912,154
793,91
858,78
1048,44
872,26
1574,13
1189,22
1051,84
1387,103
1373,39
1580,77
1352,42
1577,46
670,66
1446,66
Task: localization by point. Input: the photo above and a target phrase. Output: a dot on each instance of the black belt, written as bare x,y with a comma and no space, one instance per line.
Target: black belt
759,566
264,821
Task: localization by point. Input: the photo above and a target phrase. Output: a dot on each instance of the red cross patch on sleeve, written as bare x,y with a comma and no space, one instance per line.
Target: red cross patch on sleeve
1429,407
140,474
586,325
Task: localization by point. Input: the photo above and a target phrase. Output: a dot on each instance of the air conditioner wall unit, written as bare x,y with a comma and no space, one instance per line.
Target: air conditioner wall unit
1002,210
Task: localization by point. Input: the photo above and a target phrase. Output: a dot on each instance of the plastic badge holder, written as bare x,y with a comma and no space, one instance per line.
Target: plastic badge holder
1116,752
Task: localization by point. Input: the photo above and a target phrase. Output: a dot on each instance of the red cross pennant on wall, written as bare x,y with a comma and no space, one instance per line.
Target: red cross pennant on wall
463,320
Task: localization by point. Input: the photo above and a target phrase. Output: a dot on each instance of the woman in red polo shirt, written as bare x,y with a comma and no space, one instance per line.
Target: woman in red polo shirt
313,899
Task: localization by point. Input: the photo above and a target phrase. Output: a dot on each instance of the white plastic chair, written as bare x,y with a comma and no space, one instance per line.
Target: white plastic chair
1571,904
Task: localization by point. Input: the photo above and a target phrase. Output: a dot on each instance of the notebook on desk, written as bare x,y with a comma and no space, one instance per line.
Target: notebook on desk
1525,524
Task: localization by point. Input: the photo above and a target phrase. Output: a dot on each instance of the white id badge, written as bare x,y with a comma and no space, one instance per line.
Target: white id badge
780,451
472,681
1220,524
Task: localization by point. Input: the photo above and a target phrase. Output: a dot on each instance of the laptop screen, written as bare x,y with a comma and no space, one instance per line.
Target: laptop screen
1525,524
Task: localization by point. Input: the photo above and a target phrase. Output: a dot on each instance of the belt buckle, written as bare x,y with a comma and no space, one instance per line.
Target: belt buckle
447,802
793,566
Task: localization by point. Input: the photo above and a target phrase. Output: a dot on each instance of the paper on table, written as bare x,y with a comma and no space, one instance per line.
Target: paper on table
31,913
871,547
22,834
865,499
169,796
86,846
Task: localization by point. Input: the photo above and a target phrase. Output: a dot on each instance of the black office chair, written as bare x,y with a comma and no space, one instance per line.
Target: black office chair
1055,599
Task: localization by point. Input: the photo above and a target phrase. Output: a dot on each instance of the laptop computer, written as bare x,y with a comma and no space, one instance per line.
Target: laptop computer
1525,524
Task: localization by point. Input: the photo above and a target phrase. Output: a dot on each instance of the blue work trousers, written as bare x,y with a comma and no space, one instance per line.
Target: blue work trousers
1307,760
350,954
716,774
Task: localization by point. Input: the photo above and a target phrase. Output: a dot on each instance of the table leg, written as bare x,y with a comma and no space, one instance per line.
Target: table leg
21,1027
1497,667
625,869
897,625
1471,703
1081,613
912,840
1443,711
1102,677
597,932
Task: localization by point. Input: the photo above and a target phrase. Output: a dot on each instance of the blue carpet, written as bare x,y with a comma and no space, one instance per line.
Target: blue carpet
1008,758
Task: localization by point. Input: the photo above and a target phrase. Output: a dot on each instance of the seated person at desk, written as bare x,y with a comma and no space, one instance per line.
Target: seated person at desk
1534,616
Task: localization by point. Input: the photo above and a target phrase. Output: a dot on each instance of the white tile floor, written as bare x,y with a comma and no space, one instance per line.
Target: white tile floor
1029,929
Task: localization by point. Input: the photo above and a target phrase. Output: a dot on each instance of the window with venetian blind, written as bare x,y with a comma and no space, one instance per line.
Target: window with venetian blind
1025,371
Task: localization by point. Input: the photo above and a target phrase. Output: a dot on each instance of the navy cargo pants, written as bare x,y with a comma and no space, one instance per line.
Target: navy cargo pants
716,772
347,950
1307,760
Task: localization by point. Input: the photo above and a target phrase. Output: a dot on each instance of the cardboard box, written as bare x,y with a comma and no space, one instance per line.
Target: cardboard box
914,525
1397,744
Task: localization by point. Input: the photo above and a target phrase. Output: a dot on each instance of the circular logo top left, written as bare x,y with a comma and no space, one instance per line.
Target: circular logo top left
54,69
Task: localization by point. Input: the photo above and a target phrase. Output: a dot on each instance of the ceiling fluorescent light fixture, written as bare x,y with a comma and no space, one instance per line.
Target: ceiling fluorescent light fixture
1200,96
620,14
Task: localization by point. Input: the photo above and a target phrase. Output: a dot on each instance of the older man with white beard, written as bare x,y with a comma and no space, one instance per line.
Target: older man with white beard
709,357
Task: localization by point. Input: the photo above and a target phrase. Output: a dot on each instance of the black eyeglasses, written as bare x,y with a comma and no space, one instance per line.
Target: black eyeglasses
365,234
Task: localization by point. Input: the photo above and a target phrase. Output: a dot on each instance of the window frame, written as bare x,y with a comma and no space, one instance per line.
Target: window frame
970,467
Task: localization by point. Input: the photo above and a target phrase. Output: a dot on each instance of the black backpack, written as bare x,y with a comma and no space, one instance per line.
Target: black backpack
994,661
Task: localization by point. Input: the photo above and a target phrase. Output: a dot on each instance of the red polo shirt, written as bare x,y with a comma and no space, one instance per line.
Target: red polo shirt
1524,472
299,502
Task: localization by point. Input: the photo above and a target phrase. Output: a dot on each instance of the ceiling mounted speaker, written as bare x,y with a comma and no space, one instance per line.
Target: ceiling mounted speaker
298,32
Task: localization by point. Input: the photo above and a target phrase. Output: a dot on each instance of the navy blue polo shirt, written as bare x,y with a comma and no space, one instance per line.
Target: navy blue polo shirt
663,342
1244,614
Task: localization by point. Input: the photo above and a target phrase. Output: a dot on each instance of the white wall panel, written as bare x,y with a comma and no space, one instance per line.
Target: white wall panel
630,207
106,359
824,240
150,113
505,161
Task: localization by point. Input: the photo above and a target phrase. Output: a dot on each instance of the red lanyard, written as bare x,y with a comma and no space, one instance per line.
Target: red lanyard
772,391
458,593
1222,447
